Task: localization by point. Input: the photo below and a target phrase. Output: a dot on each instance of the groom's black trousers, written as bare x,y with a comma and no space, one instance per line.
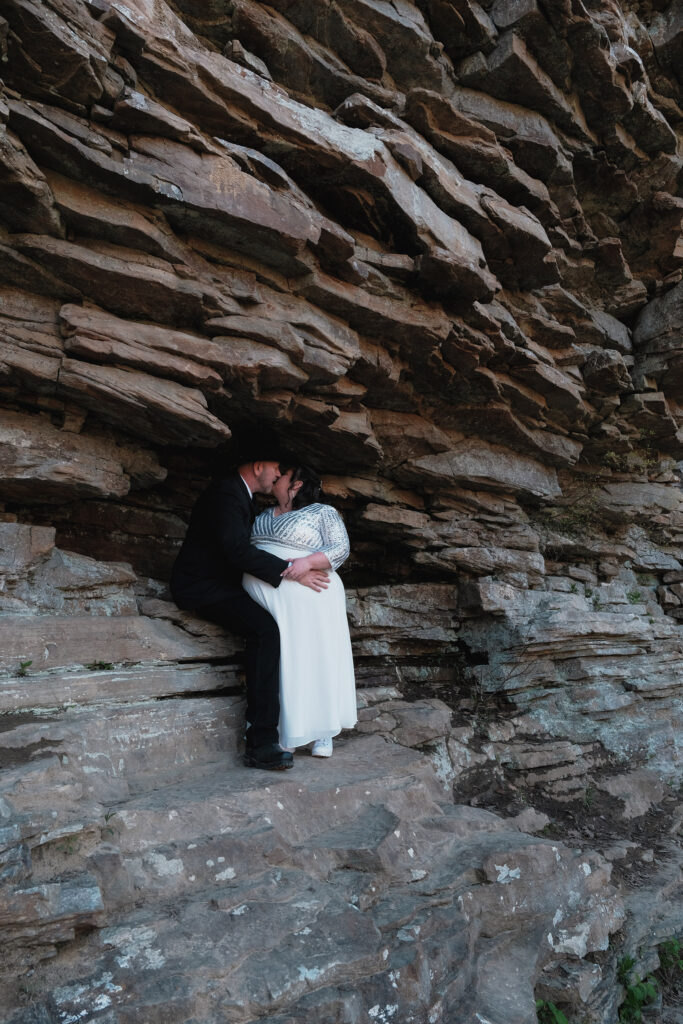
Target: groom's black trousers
240,614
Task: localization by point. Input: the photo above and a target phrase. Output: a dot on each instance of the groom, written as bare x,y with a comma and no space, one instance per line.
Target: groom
207,578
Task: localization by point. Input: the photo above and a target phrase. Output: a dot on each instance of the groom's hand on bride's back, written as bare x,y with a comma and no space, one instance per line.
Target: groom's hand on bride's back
315,579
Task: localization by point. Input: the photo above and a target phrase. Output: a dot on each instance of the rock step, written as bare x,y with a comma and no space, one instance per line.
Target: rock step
378,808
231,893
263,892
75,642
49,691
236,820
114,751
335,783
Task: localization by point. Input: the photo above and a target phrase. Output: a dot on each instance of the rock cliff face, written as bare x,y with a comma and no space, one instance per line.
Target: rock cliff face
437,245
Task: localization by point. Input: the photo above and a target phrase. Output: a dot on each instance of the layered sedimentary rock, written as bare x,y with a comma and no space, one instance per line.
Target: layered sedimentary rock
437,246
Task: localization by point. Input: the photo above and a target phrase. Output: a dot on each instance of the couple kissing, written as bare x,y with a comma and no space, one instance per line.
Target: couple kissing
272,579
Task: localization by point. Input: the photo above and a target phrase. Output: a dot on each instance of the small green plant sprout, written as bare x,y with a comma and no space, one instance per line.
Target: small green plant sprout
634,596
100,666
24,667
28,990
589,796
108,830
618,463
548,1013
573,588
597,603
638,993
581,519
624,968
648,454
671,956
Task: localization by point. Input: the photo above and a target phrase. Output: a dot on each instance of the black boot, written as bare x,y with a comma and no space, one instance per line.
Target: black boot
270,756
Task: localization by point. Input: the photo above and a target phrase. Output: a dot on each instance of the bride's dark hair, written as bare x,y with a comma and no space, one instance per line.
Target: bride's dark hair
311,488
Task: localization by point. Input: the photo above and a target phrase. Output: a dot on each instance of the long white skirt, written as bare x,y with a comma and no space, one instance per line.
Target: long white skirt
317,685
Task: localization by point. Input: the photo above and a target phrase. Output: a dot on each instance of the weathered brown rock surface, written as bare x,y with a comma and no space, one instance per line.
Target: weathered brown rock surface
438,246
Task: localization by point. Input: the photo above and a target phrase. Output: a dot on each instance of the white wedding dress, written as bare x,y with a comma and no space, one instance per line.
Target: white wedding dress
317,686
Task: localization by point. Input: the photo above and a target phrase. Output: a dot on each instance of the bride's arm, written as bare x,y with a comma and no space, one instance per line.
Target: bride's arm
334,551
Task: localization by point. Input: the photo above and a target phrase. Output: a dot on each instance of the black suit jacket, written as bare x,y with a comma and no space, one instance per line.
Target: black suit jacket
217,548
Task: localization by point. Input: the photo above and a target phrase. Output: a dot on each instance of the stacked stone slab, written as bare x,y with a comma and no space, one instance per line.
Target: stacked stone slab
437,245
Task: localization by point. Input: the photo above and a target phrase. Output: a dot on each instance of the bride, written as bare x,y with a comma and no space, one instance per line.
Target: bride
317,689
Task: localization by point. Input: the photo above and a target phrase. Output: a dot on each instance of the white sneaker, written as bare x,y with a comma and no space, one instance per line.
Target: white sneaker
322,748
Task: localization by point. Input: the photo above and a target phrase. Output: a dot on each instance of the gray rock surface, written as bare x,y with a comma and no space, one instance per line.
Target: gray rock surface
358,879
437,246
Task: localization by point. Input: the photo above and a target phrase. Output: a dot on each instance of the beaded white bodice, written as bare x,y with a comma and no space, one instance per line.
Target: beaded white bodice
313,528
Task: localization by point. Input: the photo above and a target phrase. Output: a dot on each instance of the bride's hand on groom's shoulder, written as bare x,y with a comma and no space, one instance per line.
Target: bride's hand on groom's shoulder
315,579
